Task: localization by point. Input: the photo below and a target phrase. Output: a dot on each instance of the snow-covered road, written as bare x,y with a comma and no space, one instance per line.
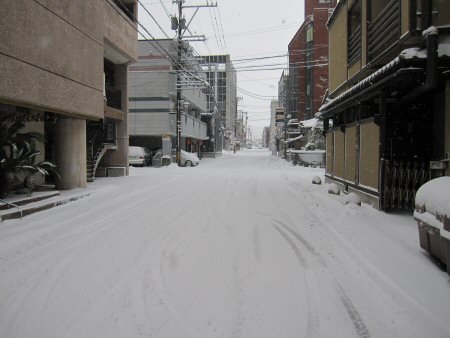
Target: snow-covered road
240,246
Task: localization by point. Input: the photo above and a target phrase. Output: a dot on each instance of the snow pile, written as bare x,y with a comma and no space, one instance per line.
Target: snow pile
352,198
334,189
433,204
444,47
316,180
434,196
414,53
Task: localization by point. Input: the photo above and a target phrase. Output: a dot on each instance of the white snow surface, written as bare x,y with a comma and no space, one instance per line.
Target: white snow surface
240,246
434,197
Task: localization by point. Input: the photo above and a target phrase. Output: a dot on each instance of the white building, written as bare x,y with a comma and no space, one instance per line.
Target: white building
152,102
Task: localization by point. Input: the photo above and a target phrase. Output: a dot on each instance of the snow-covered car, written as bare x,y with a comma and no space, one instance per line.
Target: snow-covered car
188,159
138,156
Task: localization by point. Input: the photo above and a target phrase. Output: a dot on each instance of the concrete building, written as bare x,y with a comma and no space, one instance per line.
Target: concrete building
152,102
308,61
221,76
388,117
65,64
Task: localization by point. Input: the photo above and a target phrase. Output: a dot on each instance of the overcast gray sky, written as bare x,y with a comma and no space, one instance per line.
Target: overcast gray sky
244,29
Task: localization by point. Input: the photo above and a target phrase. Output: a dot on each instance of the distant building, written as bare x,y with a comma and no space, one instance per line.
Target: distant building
283,84
64,71
153,100
308,61
221,75
266,137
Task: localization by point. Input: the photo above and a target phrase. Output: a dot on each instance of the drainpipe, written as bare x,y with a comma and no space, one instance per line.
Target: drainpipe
432,77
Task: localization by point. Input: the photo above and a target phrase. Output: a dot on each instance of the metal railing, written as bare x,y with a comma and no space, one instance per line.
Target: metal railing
401,180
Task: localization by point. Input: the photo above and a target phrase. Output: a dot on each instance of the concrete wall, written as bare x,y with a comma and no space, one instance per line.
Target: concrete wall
71,153
56,66
120,31
338,51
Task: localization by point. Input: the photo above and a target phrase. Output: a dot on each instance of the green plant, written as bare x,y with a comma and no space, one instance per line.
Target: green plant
18,155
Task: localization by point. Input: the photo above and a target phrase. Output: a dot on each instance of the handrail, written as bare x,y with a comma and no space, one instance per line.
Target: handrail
13,205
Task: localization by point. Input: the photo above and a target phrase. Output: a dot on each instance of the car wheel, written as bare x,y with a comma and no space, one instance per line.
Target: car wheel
188,164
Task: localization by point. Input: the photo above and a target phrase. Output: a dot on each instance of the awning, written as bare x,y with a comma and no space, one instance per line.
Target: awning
290,140
402,70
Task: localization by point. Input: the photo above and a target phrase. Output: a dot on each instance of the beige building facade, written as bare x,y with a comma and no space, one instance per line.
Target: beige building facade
64,63
387,116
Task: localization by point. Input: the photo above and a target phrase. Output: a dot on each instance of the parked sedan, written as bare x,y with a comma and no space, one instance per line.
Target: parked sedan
138,156
188,159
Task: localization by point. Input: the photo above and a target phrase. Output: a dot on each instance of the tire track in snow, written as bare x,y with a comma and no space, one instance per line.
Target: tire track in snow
351,310
325,217
312,328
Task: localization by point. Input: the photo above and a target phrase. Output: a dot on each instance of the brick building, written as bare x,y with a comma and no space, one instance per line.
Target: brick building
308,61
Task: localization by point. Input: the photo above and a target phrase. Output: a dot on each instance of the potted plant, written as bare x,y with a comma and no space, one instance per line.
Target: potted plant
18,156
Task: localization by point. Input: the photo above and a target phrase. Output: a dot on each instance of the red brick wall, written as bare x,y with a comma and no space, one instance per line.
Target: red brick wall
297,55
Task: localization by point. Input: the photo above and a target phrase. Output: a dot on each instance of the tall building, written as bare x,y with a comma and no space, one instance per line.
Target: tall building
153,99
308,61
387,119
64,71
222,95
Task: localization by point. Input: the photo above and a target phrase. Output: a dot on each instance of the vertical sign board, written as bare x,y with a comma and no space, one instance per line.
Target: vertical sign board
167,145
279,116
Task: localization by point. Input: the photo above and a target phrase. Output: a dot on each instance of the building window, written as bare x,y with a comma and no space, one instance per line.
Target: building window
354,32
309,34
377,6
128,7
324,1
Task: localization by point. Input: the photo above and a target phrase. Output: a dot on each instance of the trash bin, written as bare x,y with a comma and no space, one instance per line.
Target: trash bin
432,213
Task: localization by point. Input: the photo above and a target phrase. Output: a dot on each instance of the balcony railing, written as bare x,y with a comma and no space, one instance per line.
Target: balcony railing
113,98
354,45
384,30
192,127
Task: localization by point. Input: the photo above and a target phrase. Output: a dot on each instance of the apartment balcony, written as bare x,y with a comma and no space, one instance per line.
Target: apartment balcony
113,98
192,127
384,30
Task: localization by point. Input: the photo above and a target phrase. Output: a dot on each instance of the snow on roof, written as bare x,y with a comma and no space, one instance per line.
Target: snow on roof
444,47
414,53
311,123
290,140
363,83
434,197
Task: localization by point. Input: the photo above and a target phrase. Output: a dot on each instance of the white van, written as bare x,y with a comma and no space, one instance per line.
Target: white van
138,156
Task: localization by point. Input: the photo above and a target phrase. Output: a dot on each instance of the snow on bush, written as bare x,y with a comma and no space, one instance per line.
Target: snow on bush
352,198
334,189
316,180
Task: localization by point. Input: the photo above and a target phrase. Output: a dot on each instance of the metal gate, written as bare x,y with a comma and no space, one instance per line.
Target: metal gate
400,181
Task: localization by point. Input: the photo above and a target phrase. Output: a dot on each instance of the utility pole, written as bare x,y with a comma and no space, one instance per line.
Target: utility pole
285,134
178,69
179,24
